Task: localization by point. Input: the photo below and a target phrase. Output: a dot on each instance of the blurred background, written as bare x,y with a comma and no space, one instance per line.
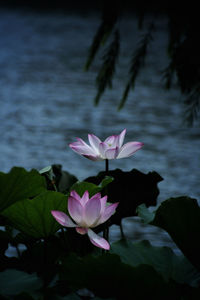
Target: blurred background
46,97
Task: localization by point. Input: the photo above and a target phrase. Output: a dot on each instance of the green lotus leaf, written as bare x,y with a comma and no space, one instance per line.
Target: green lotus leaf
162,259
13,282
19,184
108,277
81,186
33,216
180,217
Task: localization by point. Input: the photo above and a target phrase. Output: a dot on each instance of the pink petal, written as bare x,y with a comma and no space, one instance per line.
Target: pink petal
82,149
62,218
112,153
85,198
93,158
81,230
121,138
75,195
97,240
75,209
94,141
92,211
81,142
112,141
108,212
103,204
98,196
129,148
102,148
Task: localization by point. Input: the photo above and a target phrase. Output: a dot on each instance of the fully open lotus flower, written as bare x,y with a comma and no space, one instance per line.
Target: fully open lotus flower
111,148
87,213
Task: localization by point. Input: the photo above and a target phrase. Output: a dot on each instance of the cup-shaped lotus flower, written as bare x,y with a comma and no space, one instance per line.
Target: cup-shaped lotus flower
111,148
87,213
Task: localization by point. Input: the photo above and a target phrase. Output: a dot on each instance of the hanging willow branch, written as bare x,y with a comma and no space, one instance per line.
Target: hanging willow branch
192,106
109,19
107,70
183,50
168,75
137,62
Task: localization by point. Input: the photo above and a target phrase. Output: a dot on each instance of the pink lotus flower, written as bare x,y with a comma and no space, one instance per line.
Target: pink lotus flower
111,148
87,213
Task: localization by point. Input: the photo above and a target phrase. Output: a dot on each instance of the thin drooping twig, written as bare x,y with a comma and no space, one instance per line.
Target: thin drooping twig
107,70
137,62
109,19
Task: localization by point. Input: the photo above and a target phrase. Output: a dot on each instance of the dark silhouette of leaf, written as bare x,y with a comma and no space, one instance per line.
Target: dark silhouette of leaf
107,276
180,217
130,189
14,281
63,179
162,259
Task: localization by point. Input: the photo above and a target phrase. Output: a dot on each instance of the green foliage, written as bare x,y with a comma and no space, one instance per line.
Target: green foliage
180,217
56,264
81,187
13,282
57,179
33,216
107,276
5,239
146,215
105,181
18,185
144,186
162,259
63,179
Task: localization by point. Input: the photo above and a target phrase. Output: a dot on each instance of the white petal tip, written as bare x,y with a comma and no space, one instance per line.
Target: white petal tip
98,241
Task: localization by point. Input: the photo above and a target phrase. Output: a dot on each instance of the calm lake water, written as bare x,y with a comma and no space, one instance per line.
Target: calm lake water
46,100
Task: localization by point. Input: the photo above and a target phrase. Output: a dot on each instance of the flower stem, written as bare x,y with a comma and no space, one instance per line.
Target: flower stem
106,228
45,264
107,166
54,185
106,232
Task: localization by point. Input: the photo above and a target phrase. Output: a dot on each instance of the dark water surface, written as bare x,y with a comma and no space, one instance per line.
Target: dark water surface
46,100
